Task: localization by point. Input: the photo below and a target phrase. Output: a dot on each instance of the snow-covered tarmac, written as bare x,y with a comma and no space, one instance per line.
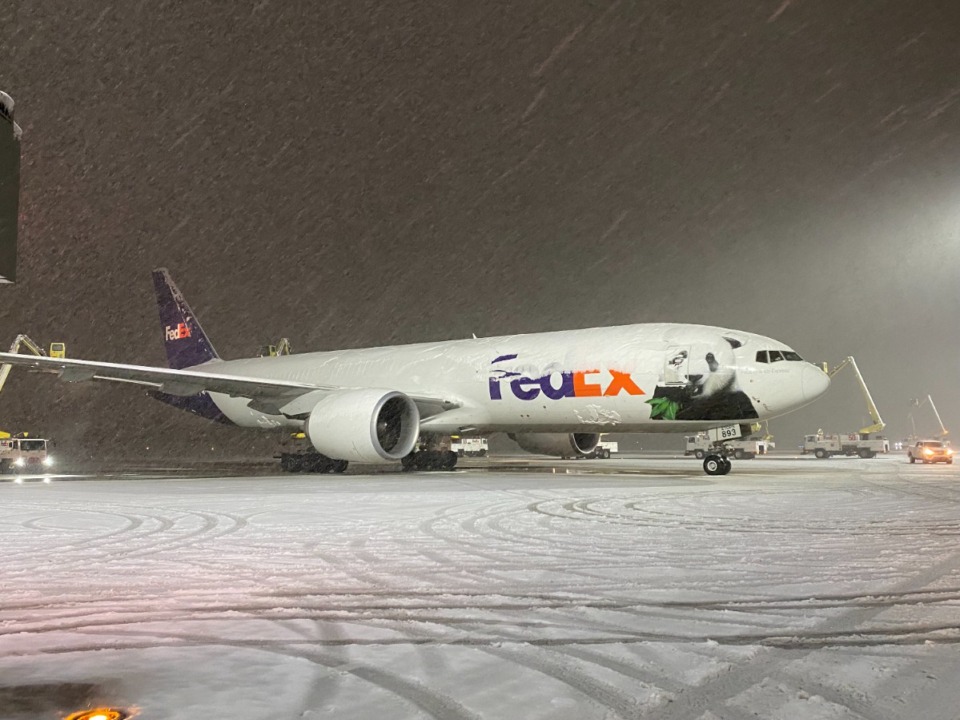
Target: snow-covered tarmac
791,588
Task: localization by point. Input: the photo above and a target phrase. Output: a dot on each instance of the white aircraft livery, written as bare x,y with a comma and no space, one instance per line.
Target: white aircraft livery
553,392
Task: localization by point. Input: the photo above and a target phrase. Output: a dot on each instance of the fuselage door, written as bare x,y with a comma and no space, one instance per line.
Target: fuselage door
676,364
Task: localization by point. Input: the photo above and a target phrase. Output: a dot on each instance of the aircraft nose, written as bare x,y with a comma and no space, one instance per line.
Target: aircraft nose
814,382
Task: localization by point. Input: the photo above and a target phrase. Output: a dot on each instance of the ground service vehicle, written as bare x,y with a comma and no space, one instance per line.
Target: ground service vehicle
865,443
742,449
930,451
602,451
24,454
469,446
20,452
824,446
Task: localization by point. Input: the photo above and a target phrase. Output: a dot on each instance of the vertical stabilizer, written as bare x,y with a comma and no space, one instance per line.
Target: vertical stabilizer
186,343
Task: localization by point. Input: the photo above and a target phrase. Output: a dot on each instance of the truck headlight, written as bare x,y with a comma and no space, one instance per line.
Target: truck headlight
19,462
47,461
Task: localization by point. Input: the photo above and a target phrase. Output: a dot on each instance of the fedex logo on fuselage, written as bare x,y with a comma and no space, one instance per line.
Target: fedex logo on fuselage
560,384
180,332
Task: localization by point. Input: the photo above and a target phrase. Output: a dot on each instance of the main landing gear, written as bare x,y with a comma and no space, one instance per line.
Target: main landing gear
716,465
311,462
429,460
431,453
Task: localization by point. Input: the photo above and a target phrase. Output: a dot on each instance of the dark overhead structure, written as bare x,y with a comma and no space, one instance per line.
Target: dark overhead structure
9,189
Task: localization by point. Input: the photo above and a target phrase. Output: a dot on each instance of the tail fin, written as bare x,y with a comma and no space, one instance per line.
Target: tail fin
186,343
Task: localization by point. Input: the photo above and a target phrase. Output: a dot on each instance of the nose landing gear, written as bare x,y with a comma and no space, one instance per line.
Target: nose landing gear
716,465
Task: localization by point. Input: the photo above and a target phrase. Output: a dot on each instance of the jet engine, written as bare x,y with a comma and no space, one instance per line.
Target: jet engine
557,444
368,426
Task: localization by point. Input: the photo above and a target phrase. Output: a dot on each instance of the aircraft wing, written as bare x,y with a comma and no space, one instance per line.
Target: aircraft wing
267,393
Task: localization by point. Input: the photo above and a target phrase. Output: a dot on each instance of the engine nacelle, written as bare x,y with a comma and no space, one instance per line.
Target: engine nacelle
557,444
368,426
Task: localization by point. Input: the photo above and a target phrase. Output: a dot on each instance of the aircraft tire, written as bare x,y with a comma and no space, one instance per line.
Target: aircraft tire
714,465
727,466
291,463
448,461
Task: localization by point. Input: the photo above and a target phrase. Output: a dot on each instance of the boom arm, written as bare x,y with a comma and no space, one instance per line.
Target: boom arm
943,431
15,348
878,423
942,428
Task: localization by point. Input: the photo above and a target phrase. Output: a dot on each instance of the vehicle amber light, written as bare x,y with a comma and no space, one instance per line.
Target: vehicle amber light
100,714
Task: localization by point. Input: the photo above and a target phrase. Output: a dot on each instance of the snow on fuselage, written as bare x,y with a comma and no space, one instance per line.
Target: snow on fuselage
630,378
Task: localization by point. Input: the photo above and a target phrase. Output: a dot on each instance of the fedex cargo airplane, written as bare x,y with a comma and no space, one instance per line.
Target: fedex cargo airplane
553,392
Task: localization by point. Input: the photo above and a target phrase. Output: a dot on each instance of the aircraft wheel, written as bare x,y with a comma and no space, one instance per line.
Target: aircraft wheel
699,454
448,461
715,465
291,463
727,466
339,466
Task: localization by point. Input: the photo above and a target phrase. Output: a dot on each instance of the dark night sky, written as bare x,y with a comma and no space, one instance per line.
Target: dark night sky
354,173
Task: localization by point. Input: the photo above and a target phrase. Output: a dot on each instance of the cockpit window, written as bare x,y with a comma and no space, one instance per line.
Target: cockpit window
762,356
791,355
776,356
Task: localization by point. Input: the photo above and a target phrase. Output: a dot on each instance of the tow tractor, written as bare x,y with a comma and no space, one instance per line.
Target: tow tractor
866,443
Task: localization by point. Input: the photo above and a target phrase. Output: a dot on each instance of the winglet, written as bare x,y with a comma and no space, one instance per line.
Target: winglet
185,342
